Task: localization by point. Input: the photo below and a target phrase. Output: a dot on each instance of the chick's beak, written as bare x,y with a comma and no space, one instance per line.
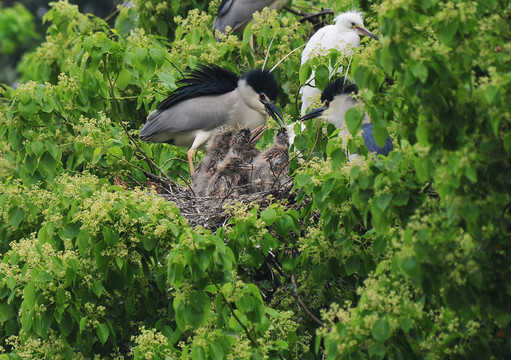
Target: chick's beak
313,114
272,110
257,133
361,30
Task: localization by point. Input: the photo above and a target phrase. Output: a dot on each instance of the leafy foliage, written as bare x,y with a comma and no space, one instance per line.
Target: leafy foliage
399,257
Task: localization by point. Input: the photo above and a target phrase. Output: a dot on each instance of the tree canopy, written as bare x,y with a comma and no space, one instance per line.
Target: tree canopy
405,256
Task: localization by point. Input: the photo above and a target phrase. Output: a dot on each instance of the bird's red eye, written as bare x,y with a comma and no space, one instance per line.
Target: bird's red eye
262,96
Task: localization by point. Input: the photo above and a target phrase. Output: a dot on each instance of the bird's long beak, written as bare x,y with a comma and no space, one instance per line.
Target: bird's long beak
257,133
272,110
313,114
361,30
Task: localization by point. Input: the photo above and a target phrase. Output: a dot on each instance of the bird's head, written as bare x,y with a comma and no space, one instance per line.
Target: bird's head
282,138
241,140
337,95
259,90
352,21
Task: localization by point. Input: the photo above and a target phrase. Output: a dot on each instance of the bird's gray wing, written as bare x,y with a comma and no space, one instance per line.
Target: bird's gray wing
205,112
235,13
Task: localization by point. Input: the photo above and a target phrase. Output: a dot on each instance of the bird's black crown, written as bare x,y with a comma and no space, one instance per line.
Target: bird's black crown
262,81
338,87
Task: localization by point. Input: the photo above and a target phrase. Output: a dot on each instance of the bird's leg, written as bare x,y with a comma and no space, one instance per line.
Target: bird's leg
190,160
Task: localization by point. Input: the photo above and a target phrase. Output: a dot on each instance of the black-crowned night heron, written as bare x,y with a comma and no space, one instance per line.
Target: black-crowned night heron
337,99
217,149
271,165
344,35
210,98
232,175
238,13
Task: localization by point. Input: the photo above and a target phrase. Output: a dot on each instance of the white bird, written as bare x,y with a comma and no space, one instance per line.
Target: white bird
344,35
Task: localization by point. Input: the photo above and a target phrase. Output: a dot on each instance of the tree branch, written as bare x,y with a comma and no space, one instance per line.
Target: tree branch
294,290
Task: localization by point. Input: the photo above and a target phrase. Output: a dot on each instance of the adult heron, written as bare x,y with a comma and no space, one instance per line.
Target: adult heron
238,13
337,99
208,99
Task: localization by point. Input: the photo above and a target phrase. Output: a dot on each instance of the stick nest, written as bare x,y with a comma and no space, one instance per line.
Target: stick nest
209,211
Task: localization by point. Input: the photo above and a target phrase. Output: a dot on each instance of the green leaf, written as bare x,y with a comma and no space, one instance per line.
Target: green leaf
319,273
302,179
115,151
123,79
37,148
197,310
149,242
401,198
383,200
338,157
83,323
354,117
110,236
47,164
352,264
216,351
305,73
52,148
157,55
381,330
24,97
6,312
322,76
16,215
83,241
379,245
268,216
198,353
406,324
377,351
97,288
29,295
103,332
27,110
420,71
283,225
27,317
411,267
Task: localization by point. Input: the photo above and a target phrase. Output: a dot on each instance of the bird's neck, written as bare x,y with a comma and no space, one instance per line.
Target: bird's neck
337,111
247,115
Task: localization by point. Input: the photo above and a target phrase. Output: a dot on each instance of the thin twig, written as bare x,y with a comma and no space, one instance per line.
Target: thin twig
316,14
294,290
307,16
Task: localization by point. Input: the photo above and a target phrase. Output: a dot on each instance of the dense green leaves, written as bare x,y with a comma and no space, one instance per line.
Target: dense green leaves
369,256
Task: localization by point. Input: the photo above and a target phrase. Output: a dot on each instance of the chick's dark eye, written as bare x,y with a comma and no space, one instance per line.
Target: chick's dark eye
326,103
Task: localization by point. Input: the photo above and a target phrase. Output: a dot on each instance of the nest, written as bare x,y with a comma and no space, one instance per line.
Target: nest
209,211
